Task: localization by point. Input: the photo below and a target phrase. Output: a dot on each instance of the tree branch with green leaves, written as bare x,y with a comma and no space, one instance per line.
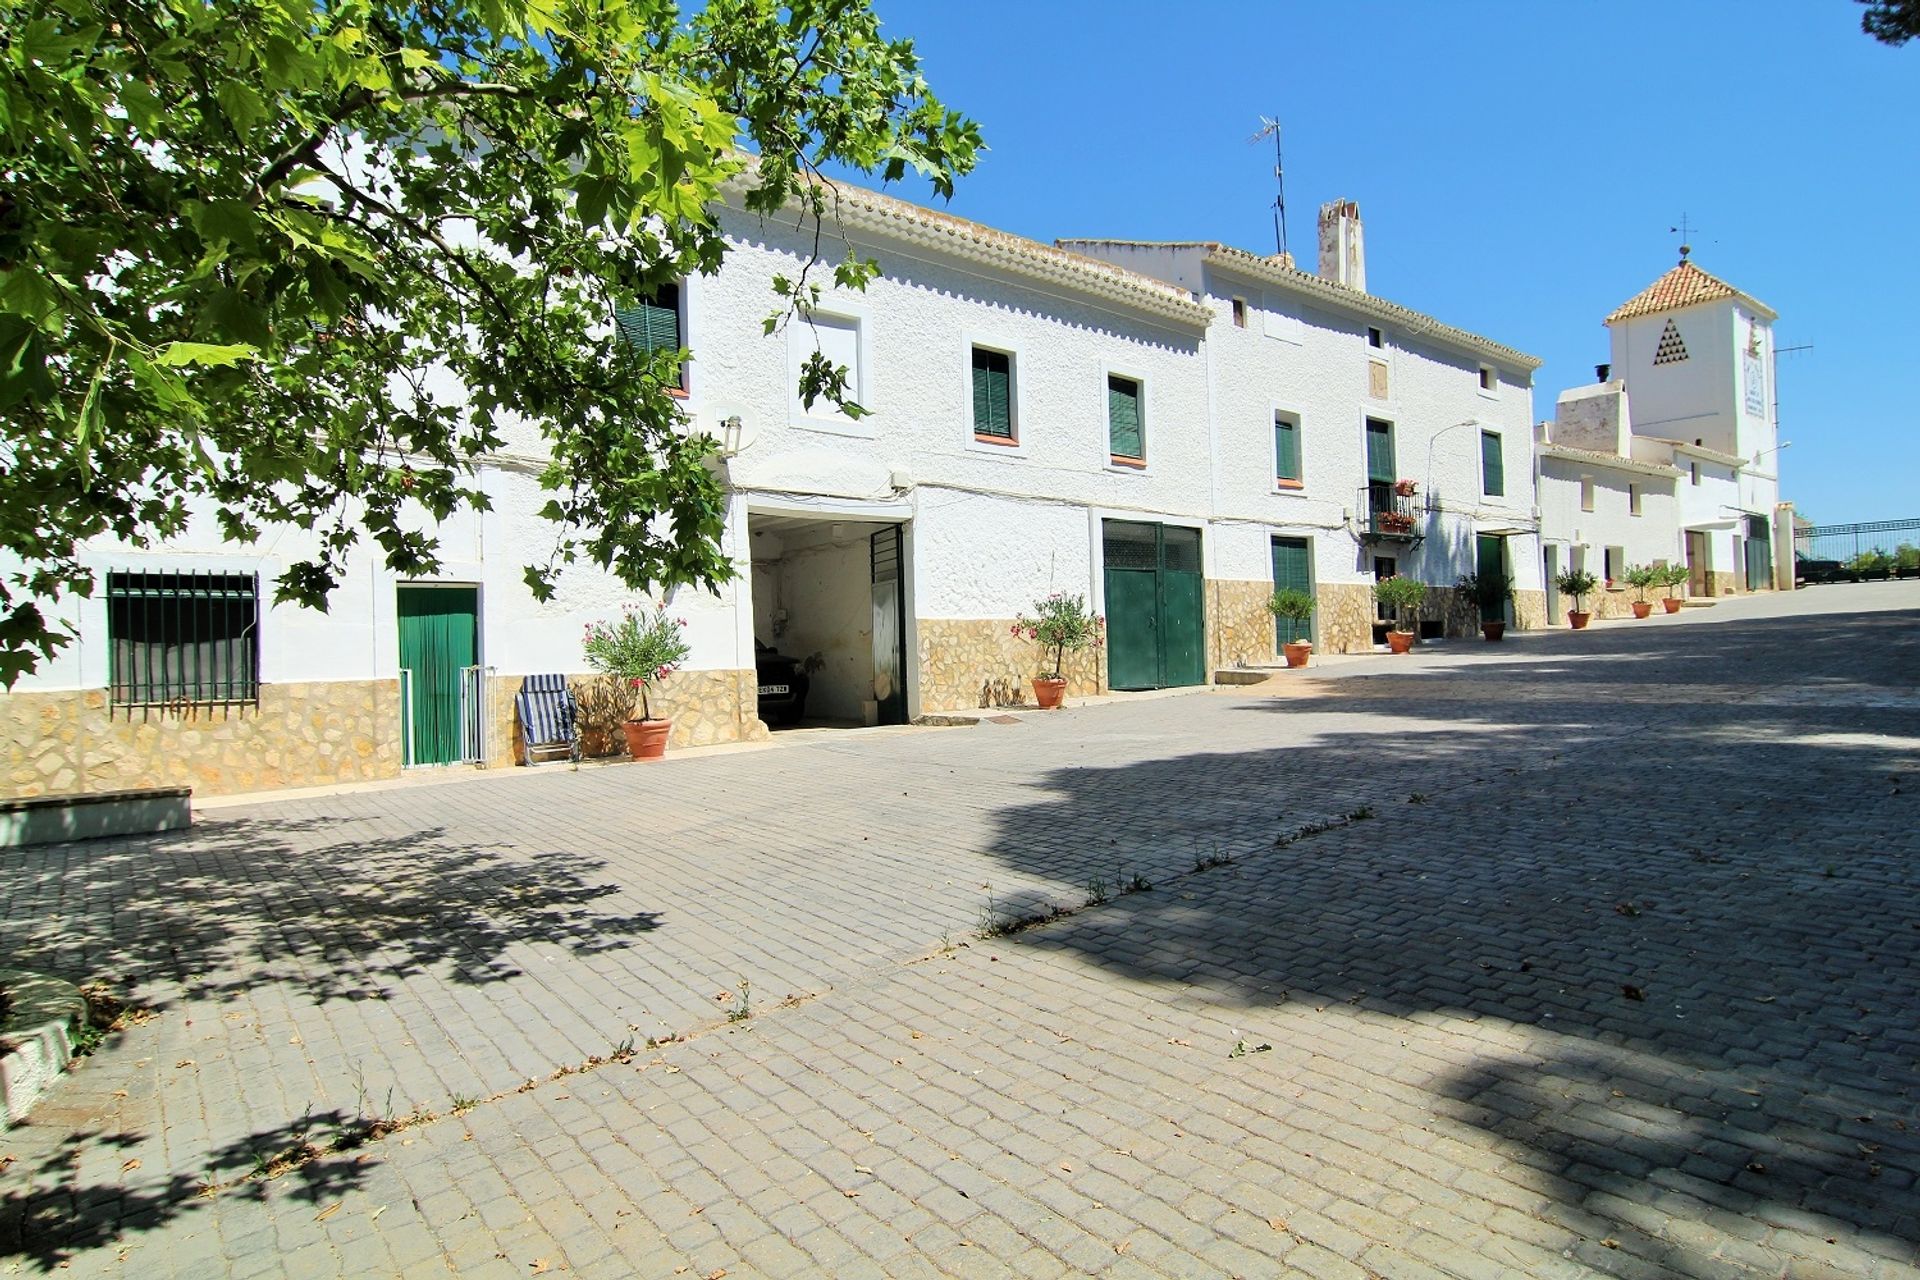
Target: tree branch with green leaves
310,262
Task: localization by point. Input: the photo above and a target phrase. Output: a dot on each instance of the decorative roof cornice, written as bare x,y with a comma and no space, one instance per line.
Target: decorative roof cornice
1282,272
1613,460
1002,251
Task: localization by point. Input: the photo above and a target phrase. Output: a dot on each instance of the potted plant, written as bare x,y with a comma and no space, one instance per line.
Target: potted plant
1490,591
1401,596
641,648
1295,609
1640,577
1577,583
1671,575
1061,625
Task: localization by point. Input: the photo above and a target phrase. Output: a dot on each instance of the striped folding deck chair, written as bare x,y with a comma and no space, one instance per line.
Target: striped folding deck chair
549,717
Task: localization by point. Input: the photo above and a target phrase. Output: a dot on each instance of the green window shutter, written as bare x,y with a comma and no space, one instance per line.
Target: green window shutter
1380,452
1123,418
654,325
992,394
1493,473
1286,449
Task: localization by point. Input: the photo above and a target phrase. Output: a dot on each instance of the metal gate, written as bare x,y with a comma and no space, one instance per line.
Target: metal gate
889,626
1156,610
1857,552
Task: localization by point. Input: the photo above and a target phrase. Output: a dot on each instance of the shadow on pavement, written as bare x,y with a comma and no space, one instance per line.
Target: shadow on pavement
1706,879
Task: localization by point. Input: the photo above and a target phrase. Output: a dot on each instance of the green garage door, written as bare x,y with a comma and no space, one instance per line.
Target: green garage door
1490,563
1156,614
1292,571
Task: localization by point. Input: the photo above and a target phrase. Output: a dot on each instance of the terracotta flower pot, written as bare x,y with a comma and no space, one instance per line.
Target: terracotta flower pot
1643,608
1578,620
1048,691
1493,630
1297,651
647,739
1400,641
1672,603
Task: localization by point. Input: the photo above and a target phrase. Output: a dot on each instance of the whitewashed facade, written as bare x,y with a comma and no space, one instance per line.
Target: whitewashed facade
891,553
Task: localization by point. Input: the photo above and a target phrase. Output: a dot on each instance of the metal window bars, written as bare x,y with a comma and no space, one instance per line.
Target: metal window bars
183,638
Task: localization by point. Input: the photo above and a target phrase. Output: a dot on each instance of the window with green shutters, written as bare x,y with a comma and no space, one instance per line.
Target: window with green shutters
1493,472
653,325
992,395
1286,451
1124,436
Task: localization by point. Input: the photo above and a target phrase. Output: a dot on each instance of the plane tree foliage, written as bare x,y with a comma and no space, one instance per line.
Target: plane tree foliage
309,262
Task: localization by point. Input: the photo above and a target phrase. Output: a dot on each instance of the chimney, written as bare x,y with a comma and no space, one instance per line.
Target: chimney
1601,372
1343,255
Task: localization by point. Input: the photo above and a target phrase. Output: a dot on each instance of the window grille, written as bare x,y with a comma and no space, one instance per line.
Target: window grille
183,638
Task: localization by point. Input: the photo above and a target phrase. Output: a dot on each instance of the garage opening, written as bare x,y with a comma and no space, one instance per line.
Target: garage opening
829,610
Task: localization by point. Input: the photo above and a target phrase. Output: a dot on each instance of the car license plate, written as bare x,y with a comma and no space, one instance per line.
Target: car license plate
768,690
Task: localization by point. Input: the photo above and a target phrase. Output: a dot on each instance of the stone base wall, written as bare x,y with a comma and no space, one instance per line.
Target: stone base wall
297,735
1240,630
1343,622
706,707
1530,610
1722,583
970,663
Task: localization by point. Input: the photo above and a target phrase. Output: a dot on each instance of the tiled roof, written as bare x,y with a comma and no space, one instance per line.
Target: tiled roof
1279,270
1613,460
957,237
1684,286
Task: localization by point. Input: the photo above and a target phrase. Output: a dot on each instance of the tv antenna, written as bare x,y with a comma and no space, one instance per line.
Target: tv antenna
1270,127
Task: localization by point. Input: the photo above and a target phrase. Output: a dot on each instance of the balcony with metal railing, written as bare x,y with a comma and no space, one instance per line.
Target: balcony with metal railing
1390,511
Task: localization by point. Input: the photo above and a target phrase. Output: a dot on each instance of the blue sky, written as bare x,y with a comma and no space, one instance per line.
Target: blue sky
1517,167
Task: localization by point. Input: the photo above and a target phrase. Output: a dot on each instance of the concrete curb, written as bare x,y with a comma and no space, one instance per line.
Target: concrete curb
36,1038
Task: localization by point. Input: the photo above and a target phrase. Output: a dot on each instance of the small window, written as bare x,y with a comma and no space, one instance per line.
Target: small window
183,639
1586,493
1633,499
1375,338
654,325
1693,472
1615,564
1493,467
1239,313
1489,378
1126,437
1286,451
837,339
993,396
1384,567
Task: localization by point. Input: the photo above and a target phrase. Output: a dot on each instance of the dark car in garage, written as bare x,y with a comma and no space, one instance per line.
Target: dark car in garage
783,686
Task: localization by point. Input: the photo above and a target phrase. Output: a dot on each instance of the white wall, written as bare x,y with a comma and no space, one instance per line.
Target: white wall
1652,535
1691,399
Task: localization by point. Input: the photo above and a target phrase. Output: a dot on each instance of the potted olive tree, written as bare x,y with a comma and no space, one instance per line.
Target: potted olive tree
1292,610
1672,575
1061,625
1490,591
640,648
1579,584
1401,596
1640,577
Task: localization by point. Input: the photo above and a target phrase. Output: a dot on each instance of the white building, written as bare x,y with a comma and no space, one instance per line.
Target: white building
1673,454
1167,430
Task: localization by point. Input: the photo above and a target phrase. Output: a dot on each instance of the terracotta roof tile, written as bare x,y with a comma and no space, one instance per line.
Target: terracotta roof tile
1684,286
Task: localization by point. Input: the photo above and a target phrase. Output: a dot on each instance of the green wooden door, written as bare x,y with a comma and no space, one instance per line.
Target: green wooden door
1292,571
1490,561
889,629
439,637
1183,608
1156,607
1759,553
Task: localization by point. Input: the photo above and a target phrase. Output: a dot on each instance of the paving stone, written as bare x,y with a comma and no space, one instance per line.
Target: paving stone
1716,814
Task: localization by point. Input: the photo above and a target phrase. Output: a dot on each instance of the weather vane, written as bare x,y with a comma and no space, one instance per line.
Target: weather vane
1685,231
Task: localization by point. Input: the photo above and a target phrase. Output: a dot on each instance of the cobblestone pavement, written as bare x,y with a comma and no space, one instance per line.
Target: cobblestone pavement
1586,954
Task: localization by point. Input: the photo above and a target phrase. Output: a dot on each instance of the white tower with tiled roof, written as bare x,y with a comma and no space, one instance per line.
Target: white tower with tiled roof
1696,355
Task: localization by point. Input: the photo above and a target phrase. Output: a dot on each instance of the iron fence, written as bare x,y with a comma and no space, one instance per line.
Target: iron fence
1875,549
